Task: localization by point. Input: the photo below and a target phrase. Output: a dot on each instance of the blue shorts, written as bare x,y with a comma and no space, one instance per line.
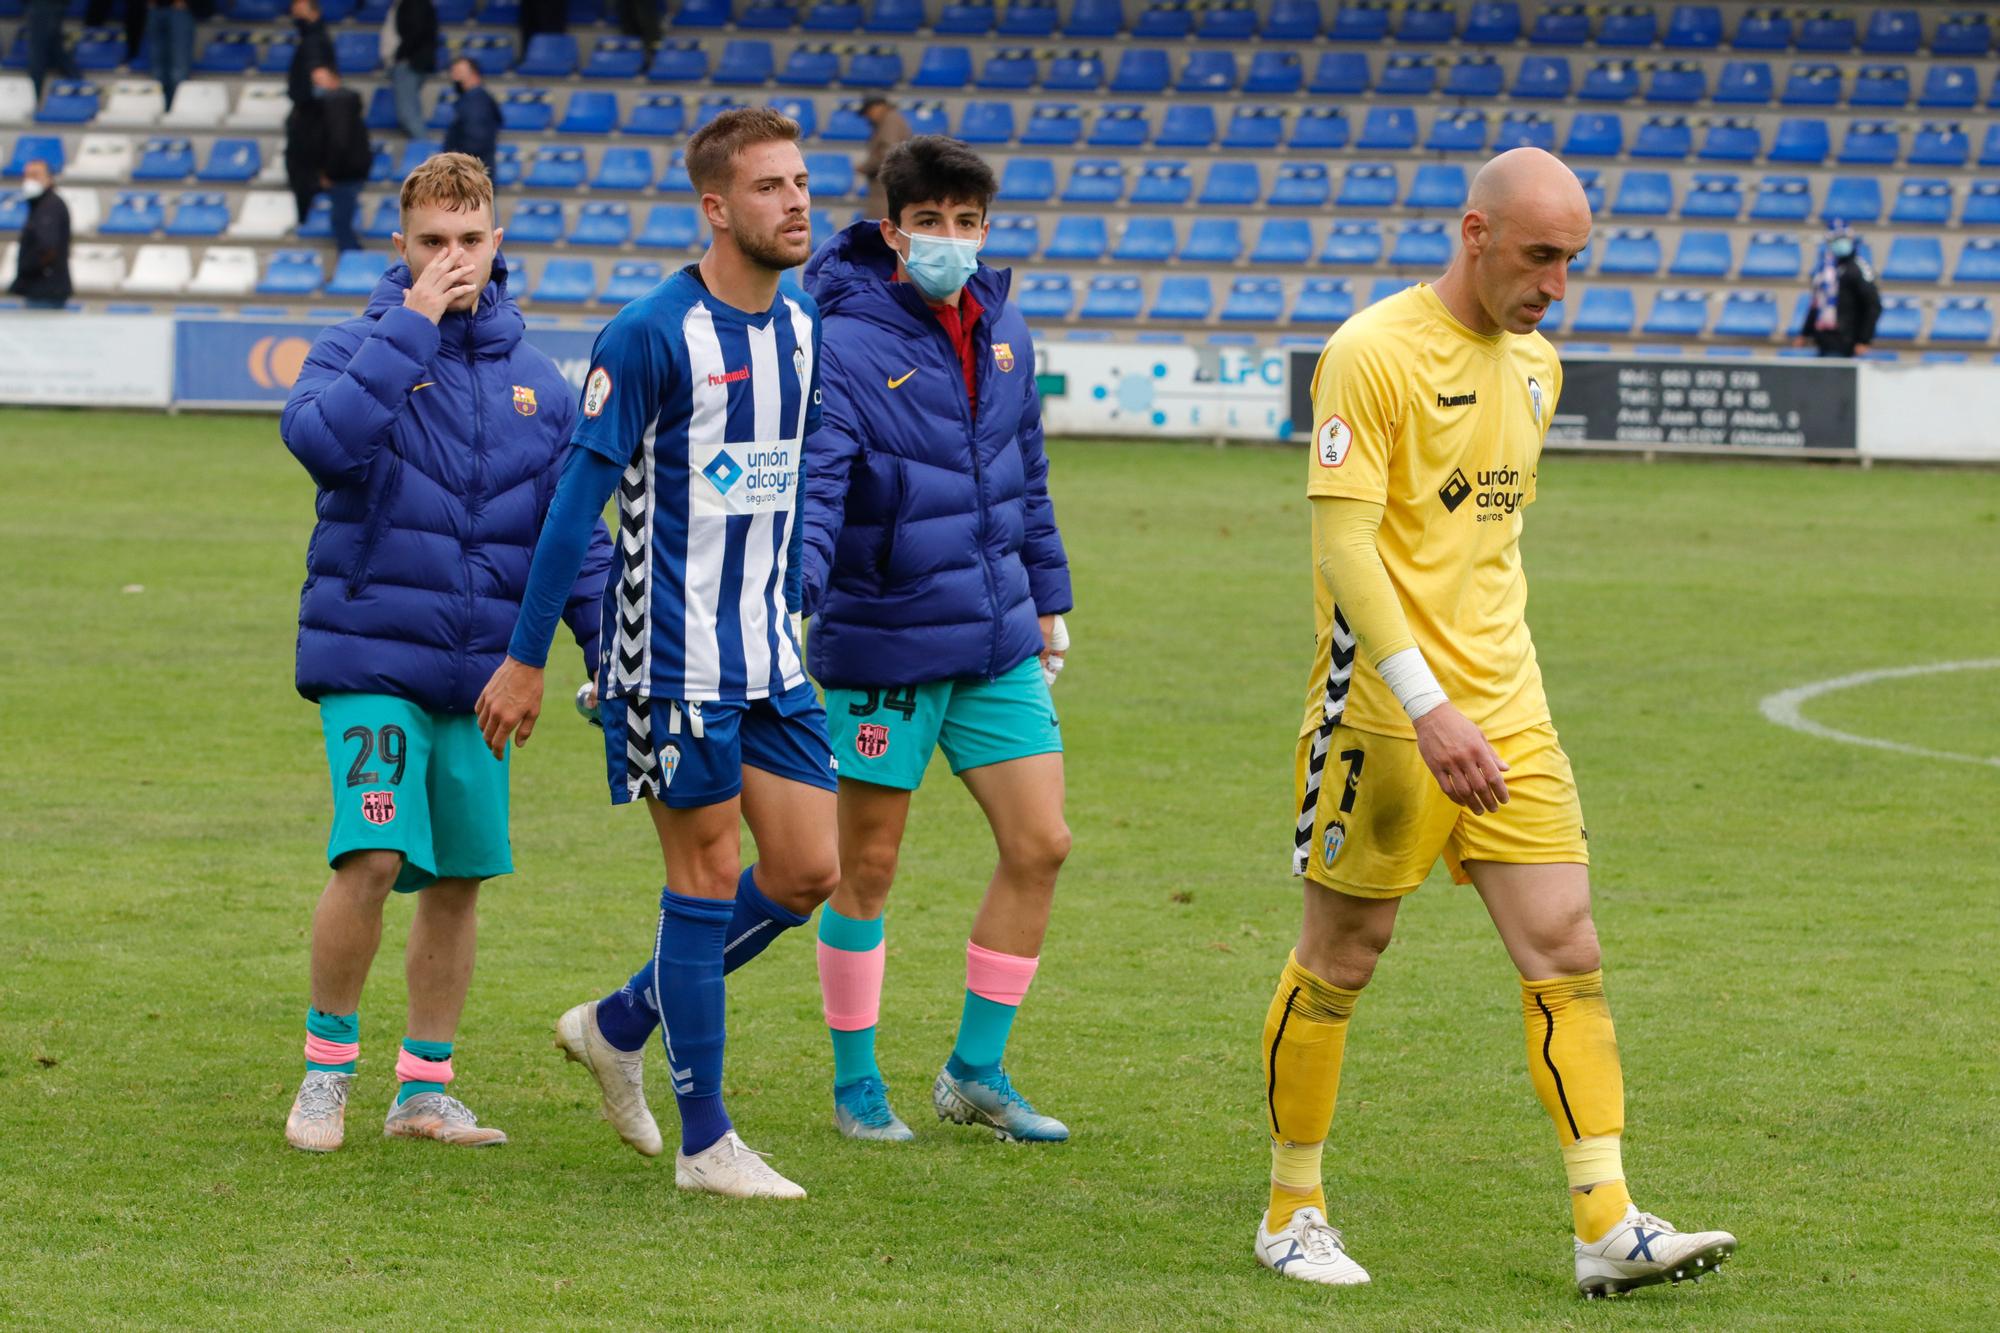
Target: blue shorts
887,736
423,784
688,755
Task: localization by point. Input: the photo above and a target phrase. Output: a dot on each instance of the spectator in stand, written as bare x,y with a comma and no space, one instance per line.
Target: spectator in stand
416,60
1840,317
890,130
42,280
170,37
343,152
641,19
475,127
47,51
132,13
314,49
539,16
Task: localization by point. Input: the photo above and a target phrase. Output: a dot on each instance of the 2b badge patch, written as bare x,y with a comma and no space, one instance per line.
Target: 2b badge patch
378,807
871,740
1333,440
596,390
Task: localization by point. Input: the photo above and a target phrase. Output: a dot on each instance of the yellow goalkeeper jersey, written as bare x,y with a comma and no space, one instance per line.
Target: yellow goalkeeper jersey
1443,427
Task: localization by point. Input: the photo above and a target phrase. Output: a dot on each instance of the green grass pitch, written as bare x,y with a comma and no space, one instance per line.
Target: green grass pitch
1801,942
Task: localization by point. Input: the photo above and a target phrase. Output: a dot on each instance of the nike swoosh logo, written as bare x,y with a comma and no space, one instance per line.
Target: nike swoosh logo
898,383
425,385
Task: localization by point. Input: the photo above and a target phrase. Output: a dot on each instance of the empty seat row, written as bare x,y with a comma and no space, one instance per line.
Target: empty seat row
1639,252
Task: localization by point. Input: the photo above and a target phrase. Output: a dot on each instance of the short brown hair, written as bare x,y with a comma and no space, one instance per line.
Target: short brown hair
455,181
711,153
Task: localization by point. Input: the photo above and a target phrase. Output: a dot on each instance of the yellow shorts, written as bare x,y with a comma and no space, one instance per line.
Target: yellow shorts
1373,821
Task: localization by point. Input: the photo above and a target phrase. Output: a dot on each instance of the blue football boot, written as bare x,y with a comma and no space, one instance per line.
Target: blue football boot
861,1111
969,1097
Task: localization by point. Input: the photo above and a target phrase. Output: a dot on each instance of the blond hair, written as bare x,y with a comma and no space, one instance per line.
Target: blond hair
456,182
711,153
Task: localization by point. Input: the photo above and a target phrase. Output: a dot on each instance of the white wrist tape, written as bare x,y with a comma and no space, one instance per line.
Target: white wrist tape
1409,678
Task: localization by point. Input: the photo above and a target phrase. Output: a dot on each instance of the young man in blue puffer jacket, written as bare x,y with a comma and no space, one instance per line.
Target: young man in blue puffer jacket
435,435
936,580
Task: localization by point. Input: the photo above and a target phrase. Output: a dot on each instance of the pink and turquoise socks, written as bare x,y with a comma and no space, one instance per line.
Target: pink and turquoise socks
422,1066
333,1041
995,985
851,962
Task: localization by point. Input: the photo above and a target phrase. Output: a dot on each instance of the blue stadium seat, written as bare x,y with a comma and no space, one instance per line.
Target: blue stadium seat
1703,254
98,50
1437,186
1664,137
1940,145
925,117
134,213
815,65
165,160
1801,140
1677,313
874,67
1171,20
1254,301
1605,310
1812,85
602,223
1323,301
626,169
1274,73
507,13
232,51
1871,143
554,168
1427,23
1678,83
766,15
1407,76
415,153
1771,254
1694,27
1543,77
1610,81
1359,21
553,55
1745,81
1357,244
527,111
1010,69
535,222
199,214
1964,34
657,114
1095,18
1915,259
1183,296
1012,236
1213,241
1054,123
506,165
1095,181
1475,76
1421,245
1963,319
1367,185
1120,125
1027,180
1283,241
1293,21
1731,140
1163,183
385,222
1949,88
1978,261
1321,127
357,53
68,102
1384,288
381,113
1826,31
987,122
1492,24
230,162
1892,32
1854,199
1112,297
1187,125
1254,128
630,280
1881,85
1922,202
1628,25
835,17
1595,134
1560,25
1782,199
1140,70
1074,72
943,67
1525,129
679,62
1632,252
494,56
1901,320
591,113
1989,148
1208,72
894,16
1457,132
1232,185
357,272
616,58
1388,129
697,13
1644,194
1713,195
1340,74
293,273
1029,19
1079,238
565,282
1749,315
1300,185
673,227
1046,296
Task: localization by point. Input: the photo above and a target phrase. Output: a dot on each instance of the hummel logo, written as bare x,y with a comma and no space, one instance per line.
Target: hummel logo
728,377
898,383
1458,399
1454,490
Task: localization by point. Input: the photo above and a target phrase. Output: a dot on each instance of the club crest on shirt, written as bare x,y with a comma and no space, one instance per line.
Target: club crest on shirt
524,400
670,759
378,807
1535,398
596,390
1336,838
1003,356
871,740
1333,441
799,364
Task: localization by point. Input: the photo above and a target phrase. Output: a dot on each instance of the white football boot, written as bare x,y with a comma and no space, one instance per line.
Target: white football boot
318,1122
732,1167
620,1075
1641,1250
1308,1249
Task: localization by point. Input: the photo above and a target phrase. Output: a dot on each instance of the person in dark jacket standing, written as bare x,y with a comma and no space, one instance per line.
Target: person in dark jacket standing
936,580
343,153
1846,303
416,60
314,50
42,278
475,125
47,51
170,35
435,435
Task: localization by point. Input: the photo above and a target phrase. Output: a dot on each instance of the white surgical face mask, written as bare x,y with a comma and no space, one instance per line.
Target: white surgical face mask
32,189
940,265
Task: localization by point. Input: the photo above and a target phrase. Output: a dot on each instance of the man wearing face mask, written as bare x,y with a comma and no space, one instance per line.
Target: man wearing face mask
42,280
1840,318
936,580
475,121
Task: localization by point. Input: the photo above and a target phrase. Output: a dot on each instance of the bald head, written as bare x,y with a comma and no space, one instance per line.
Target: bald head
1526,217
1528,183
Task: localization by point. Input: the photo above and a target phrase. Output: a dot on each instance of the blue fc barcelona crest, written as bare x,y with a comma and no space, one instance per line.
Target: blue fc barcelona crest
1336,838
1535,398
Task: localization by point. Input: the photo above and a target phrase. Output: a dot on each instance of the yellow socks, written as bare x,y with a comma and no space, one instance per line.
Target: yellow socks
1573,1063
1305,1033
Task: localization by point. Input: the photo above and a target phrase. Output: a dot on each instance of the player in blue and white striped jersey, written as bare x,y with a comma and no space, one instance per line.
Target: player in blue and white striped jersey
695,412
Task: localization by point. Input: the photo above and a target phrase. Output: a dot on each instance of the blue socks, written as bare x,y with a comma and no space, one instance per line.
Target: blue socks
688,960
629,1014
983,1028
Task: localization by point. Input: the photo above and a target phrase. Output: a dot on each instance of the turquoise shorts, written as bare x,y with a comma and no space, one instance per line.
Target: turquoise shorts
423,784
886,736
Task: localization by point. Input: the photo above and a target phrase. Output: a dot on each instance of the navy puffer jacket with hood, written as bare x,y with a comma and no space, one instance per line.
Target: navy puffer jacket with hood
930,543
436,449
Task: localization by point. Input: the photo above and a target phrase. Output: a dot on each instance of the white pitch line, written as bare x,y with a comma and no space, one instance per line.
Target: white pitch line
1784,708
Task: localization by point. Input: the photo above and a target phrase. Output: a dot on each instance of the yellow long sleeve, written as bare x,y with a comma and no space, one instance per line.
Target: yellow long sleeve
1345,555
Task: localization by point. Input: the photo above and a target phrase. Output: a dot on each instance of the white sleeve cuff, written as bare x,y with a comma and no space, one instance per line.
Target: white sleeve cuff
1409,678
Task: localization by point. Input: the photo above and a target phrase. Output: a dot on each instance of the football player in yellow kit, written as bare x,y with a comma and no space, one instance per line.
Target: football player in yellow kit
1426,730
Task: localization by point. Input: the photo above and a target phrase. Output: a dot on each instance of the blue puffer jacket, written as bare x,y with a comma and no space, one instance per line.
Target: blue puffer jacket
930,542
436,449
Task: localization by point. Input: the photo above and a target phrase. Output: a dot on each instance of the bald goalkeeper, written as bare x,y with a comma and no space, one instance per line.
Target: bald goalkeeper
1426,731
